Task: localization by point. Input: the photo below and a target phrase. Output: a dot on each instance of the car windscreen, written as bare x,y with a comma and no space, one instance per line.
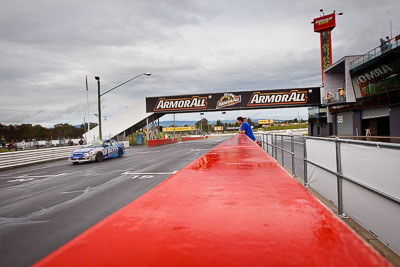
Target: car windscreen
95,144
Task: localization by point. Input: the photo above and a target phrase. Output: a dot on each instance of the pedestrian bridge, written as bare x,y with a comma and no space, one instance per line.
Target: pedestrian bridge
135,117
234,206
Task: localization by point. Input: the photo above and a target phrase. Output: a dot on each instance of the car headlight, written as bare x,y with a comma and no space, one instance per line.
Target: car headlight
90,153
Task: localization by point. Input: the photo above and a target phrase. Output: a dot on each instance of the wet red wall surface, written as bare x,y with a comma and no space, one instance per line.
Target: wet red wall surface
234,206
192,138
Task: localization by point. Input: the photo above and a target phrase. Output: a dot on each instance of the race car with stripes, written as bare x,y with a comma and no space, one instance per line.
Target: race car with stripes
97,151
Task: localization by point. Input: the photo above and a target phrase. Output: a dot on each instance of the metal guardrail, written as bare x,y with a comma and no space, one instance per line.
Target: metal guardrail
264,138
333,98
375,139
338,171
20,158
377,51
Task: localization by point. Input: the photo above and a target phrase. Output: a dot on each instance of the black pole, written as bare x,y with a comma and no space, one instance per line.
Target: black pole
99,105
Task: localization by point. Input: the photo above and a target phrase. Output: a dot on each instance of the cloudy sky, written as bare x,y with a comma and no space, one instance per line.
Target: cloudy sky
47,47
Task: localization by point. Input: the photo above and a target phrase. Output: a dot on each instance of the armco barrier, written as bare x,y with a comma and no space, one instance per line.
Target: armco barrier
234,206
20,158
159,142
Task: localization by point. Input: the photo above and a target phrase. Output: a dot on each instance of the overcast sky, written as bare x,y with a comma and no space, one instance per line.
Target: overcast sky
47,47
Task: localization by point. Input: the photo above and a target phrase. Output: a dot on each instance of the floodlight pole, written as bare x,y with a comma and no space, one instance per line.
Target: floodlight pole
99,105
174,127
99,95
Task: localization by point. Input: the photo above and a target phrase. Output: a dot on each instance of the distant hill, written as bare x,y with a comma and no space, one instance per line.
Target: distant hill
177,123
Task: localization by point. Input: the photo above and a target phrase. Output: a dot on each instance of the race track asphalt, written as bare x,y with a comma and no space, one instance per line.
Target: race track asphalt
44,206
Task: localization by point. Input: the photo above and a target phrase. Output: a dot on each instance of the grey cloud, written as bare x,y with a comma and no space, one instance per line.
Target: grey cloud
48,47
95,23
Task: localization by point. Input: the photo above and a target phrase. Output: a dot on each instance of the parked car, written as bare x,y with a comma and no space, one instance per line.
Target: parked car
97,151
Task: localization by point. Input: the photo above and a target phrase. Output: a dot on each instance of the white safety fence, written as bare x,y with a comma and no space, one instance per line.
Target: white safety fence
362,179
20,158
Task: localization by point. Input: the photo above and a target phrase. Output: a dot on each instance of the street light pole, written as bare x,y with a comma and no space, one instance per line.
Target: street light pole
174,127
88,118
99,95
201,122
99,105
147,74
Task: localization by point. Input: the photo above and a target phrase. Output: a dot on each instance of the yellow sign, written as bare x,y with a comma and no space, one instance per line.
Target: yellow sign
218,128
178,129
265,121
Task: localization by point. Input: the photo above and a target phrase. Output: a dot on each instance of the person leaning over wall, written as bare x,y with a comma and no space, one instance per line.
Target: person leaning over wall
245,128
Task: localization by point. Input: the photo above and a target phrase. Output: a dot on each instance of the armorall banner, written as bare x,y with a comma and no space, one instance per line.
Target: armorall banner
277,98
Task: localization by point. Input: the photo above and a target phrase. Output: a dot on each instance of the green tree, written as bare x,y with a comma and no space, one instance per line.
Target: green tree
12,133
202,125
219,123
65,130
38,132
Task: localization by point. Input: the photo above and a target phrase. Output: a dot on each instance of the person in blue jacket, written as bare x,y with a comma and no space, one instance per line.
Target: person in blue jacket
245,128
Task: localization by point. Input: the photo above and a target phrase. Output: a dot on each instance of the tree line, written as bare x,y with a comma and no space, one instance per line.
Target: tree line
37,132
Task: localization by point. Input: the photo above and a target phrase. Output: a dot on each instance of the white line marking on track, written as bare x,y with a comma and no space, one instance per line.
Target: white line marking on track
20,180
141,177
26,178
41,176
41,168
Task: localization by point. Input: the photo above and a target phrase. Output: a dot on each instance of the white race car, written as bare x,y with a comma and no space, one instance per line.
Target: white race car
97,151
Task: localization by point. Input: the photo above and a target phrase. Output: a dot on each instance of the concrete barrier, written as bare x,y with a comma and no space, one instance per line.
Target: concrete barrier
234,206
191,138
159,142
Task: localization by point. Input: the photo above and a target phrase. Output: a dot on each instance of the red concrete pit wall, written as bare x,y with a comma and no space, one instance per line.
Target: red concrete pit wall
189,138
234,206
159,142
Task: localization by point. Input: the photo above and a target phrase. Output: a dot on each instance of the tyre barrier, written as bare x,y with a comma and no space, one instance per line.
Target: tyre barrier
233,206
159,142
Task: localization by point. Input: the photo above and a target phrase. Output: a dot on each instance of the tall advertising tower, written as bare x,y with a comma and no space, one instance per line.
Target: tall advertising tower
324,25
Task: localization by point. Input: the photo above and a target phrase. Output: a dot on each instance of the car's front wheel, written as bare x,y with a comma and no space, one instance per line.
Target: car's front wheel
99,157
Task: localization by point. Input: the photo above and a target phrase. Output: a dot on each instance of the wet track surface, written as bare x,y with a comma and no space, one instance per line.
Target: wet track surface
44,206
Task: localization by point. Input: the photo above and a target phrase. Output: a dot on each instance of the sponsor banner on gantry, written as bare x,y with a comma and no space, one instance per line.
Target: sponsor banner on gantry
297,97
